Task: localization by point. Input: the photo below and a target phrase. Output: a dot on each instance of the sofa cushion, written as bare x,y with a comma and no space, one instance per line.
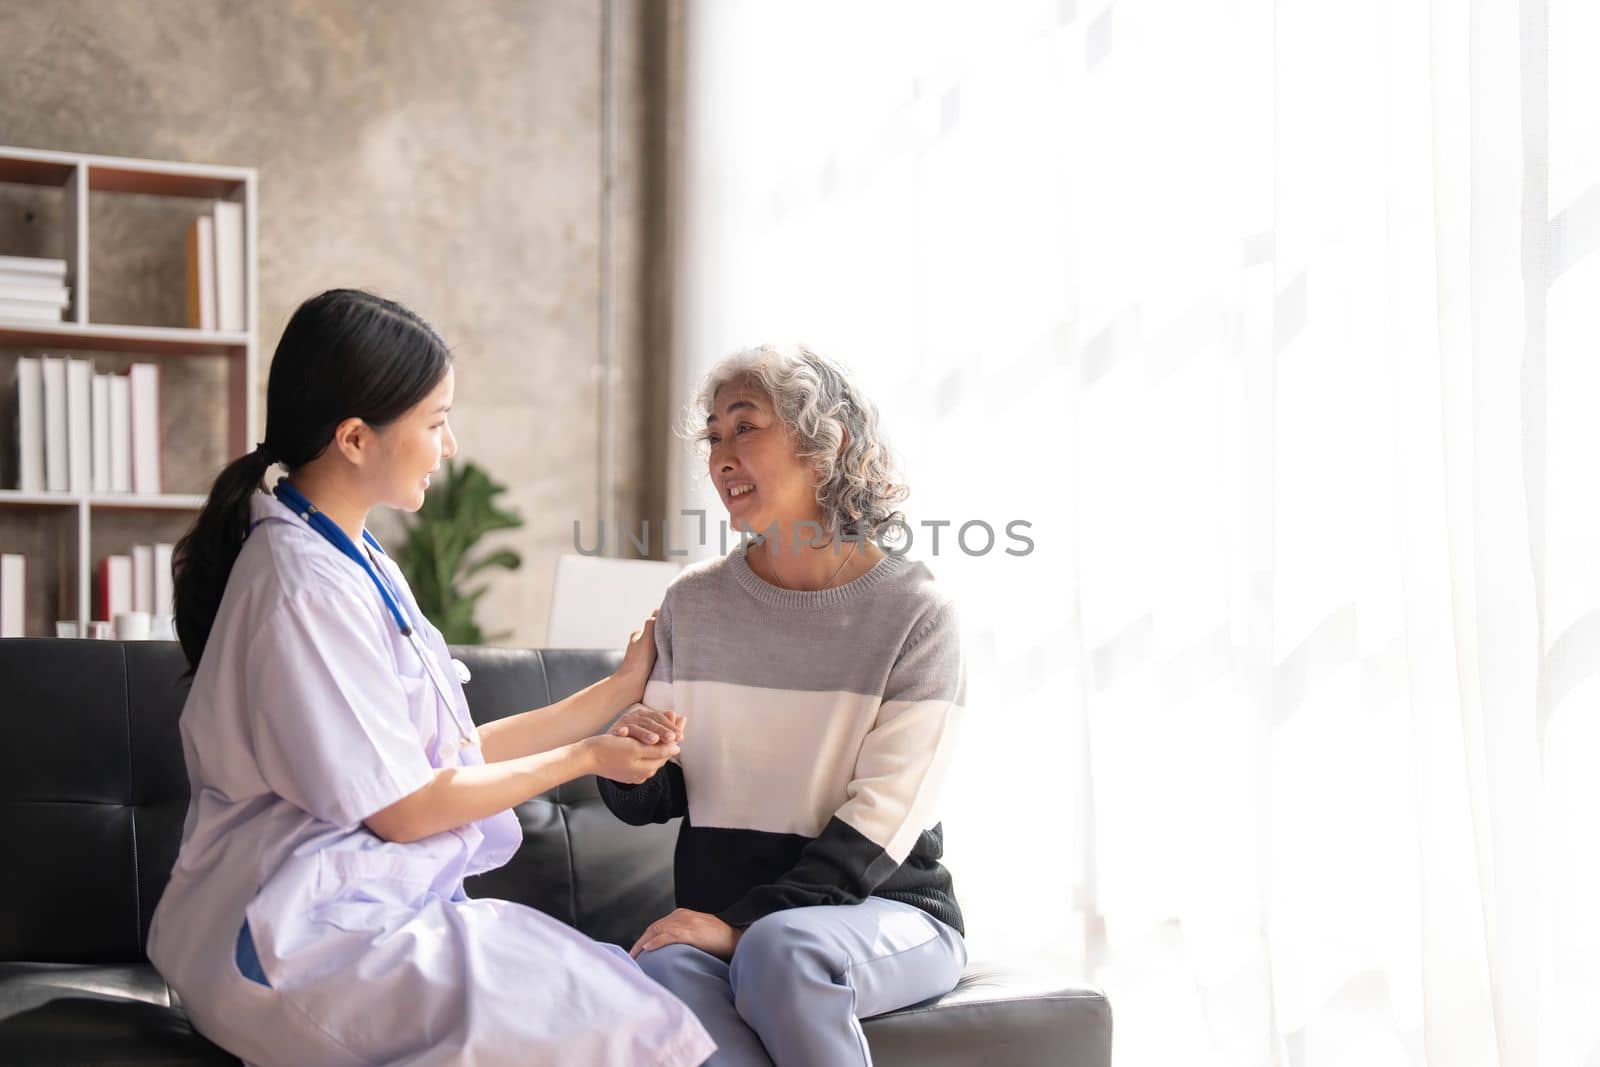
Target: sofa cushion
67,804
122,1014
999,1016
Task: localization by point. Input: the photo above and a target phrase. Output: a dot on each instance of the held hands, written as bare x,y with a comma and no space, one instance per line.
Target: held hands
624,759
649,725
684,927
639,659
637,744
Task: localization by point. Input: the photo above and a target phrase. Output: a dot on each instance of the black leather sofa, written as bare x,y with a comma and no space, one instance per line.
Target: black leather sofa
92,800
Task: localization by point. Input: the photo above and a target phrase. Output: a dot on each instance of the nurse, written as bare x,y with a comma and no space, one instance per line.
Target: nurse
339,791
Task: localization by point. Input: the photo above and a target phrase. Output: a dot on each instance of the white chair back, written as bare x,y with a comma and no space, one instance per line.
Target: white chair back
598,601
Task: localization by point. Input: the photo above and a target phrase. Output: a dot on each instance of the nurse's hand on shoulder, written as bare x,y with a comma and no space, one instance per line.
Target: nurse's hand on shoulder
701,929
638,660
624,759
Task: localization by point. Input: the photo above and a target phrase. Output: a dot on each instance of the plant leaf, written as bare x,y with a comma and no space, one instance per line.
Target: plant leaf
437,554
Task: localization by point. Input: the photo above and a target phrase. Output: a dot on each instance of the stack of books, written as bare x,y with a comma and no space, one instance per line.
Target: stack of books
216,268
13,574
33,290
81,432
138,582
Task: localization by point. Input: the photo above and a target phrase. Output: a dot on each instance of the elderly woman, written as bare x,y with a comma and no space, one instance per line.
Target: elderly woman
814,682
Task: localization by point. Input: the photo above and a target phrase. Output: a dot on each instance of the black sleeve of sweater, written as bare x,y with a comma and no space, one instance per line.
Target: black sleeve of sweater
838,866
659,798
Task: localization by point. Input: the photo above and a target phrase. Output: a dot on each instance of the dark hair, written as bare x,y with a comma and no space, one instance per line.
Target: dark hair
345,354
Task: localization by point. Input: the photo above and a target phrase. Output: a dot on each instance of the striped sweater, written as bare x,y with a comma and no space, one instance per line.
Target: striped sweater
820,728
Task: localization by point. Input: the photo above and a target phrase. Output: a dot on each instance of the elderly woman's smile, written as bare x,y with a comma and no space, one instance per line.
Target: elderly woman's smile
755,462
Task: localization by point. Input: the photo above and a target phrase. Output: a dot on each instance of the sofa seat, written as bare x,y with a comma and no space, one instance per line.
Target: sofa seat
125,1014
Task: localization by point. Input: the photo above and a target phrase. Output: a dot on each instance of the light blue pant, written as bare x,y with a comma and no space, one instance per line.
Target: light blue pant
801,979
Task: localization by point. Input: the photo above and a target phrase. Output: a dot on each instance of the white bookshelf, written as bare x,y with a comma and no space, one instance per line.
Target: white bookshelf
78,175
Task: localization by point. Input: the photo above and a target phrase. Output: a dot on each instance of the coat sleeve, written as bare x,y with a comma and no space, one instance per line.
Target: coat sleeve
329,724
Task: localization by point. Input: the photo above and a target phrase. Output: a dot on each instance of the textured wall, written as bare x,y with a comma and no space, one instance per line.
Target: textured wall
446,154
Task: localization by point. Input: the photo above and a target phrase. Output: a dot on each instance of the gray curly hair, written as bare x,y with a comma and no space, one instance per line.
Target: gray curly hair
859,489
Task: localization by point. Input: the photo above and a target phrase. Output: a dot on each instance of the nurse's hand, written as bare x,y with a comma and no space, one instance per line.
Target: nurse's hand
649,725
704,931
623,759
638,660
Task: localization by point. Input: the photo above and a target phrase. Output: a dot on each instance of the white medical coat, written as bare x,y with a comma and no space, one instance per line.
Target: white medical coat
309,712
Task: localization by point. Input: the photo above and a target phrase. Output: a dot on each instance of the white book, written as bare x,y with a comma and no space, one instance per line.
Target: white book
145,392
24,311
144,578
163,603
55,424
116,586
32,279
100,430
30,425
13,584
55,296
80,379
230,264
121,435
202,274
34,266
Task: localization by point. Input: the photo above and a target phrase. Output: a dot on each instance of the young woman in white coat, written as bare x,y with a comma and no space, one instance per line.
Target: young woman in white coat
339,790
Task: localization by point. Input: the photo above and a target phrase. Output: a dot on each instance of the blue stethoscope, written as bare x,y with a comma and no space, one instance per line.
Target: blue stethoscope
335,536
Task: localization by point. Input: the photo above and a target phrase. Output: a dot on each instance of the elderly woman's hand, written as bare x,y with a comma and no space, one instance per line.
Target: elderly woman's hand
649,725
685,927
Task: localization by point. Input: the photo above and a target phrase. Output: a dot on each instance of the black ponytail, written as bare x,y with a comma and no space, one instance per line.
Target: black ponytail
204,557
345,354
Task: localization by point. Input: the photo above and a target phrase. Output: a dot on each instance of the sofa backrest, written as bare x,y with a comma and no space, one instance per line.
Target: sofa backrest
93,794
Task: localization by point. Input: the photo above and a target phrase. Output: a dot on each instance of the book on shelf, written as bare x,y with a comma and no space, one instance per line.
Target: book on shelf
121,417
100,432
13,585
163,590
22,311
30,424
33,290
144,385
80,383
141,580
55,424
25,268
228,220
80,432
201,274
48,296
144,577
116,587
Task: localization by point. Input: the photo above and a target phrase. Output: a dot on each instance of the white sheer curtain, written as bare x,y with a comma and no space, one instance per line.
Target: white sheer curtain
1280,323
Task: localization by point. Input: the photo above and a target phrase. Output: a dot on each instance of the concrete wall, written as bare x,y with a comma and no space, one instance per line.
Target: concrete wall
446,154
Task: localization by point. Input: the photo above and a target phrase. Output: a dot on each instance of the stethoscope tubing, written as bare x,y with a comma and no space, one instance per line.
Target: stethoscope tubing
334,535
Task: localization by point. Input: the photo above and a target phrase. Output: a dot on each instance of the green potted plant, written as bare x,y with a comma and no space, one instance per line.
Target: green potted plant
437,556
